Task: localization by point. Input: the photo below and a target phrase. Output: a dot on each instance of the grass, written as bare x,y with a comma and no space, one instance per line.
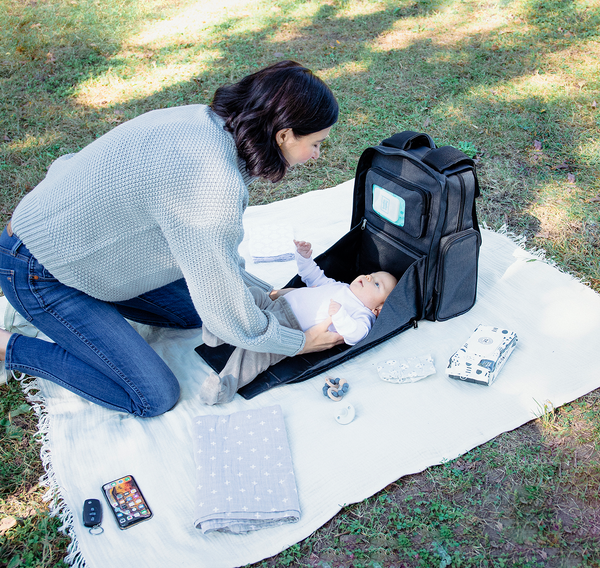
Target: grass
515,84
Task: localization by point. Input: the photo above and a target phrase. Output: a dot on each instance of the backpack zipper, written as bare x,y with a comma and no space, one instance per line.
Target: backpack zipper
463,192
391,240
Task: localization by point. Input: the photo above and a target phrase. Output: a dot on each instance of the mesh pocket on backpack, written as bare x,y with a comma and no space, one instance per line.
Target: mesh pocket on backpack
379,251
456,282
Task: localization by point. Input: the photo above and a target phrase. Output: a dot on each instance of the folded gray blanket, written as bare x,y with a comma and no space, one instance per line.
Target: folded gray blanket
244,472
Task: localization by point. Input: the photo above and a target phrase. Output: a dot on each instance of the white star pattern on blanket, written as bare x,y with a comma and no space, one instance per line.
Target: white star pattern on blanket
240,486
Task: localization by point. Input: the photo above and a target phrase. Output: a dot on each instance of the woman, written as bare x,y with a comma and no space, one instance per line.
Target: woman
145,223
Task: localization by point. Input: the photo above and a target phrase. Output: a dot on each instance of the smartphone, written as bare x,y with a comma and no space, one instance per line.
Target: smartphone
126,502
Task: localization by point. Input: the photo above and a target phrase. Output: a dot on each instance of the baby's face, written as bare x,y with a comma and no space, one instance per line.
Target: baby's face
373,289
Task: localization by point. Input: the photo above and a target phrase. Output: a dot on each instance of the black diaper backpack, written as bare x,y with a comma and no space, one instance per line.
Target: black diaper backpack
413,215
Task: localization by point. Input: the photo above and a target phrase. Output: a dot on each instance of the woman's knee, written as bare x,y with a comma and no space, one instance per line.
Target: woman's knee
161,399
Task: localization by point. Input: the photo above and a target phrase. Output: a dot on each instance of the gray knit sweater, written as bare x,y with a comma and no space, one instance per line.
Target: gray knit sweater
159,197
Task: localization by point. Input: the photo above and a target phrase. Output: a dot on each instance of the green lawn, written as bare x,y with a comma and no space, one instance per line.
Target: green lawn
515,84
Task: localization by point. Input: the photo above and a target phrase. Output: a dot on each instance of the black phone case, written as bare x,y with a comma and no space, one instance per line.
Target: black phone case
127,503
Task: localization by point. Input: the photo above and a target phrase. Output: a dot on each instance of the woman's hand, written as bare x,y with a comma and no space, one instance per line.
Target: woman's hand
318,338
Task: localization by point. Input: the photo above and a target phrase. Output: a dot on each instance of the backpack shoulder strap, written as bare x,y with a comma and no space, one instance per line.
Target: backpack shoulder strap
409,140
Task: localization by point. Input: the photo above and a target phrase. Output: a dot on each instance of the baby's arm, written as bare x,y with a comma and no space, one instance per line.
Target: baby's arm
352,329
303,248
308,269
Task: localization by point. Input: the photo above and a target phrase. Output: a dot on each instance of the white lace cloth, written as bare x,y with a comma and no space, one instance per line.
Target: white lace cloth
272,242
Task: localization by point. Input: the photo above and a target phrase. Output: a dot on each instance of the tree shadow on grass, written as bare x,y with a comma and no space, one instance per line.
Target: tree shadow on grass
394,66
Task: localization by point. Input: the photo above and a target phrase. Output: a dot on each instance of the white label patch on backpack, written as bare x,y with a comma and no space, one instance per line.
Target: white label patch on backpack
389,206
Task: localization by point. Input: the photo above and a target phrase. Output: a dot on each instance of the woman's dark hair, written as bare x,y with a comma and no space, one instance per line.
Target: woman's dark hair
283,95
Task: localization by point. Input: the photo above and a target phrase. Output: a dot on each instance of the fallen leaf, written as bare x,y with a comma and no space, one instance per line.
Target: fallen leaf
30,512
278,54
571,178
50,57
537,145
594,104
426,123
543,235
562,166
7,523
6,138
595,199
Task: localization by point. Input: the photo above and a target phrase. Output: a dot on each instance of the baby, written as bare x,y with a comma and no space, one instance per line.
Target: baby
352,307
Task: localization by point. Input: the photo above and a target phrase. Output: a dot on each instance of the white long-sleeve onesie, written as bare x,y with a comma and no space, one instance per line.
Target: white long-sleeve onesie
310,305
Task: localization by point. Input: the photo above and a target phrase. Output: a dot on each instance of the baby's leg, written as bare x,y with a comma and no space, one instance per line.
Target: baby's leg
242,368
243,365
261,299
210,339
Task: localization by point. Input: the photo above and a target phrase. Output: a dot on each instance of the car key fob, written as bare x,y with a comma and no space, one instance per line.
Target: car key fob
92,513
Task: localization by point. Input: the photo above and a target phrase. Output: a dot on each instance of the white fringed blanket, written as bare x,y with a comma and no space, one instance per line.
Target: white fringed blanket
399,429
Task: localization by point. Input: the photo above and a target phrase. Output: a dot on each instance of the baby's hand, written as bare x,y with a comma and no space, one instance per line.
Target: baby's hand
334,307
304,249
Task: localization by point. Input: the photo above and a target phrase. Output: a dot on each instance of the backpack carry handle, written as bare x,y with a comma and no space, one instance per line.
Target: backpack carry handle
409,140
446,157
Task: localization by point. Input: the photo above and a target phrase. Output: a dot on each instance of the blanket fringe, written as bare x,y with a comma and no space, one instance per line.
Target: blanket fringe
53,496
538,253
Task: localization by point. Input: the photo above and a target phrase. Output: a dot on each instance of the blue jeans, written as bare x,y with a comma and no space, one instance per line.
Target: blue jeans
97,353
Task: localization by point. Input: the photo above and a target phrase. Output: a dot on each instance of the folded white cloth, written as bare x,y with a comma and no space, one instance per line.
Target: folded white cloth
272,243
245,478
